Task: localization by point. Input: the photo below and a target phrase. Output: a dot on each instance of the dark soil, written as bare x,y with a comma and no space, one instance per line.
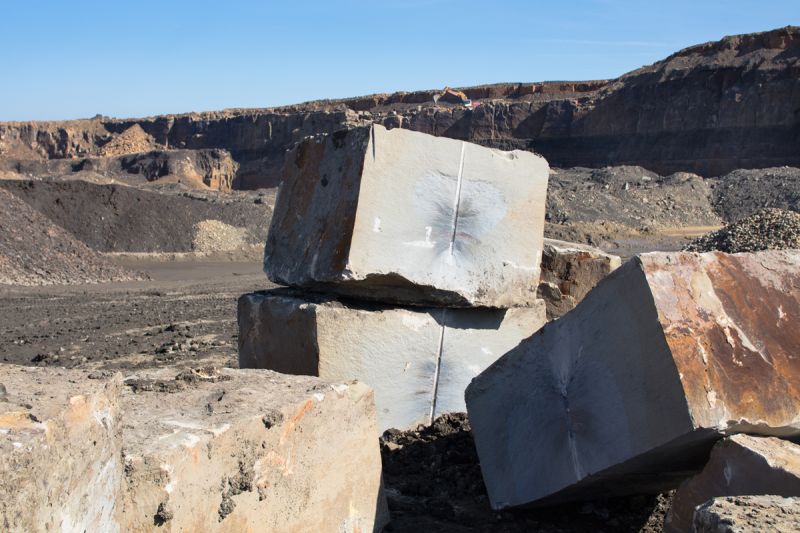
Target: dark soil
743,192
34,251
433,483
116,218
768,229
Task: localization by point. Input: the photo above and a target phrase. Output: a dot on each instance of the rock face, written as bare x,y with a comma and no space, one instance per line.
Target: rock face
418,360
60,451
630,389
409,218
748,514
569,271
238,450
739,465
708,109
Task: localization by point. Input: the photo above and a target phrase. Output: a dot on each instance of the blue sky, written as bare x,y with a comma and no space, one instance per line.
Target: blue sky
72,59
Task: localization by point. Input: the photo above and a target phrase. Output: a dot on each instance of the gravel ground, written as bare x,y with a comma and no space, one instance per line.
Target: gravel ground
433,483
768,229
743,192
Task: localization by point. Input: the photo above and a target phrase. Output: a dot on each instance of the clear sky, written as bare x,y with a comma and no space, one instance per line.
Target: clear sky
72,59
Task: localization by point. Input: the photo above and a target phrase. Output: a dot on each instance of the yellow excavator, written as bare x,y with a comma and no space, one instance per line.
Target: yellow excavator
466,102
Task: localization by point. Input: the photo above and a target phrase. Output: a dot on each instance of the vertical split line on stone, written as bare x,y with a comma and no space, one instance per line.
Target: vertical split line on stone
457,202
443,318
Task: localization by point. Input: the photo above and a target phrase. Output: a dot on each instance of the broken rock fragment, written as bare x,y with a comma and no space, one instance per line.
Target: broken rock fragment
739,465
569,272
250,450
628,392
60,451
748,514
418,360
405,217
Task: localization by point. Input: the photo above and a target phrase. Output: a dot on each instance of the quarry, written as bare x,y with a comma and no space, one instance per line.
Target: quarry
567,306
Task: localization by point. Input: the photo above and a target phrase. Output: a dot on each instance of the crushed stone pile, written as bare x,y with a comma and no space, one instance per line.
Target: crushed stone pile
743,192
34,251
433,483
767,229
130,141
217,236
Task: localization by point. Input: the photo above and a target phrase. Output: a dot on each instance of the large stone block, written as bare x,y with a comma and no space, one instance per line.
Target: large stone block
249,450
406,217
748,514
418,360
60,451
739,465
629,391
569,272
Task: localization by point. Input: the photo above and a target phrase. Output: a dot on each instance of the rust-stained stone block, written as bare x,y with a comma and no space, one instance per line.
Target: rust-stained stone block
748,514
628,392
250,450
404,217
418,360
739,465
60,451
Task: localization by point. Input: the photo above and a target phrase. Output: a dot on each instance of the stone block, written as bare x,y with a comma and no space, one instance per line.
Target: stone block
739,465
418,360
569,272
250,450
405,217
628,391
748,514
60,451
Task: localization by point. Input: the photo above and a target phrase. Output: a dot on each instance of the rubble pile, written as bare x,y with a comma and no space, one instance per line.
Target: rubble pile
427,253
767,229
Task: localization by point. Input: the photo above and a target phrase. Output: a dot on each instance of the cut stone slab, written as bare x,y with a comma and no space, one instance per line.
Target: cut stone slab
569,272
418,360
628,392
748,514
60,451
739,465
249,450
404,217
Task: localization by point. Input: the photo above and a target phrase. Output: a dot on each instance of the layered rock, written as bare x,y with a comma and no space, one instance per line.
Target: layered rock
569,272
418,360
628,392
60,451
739,465
404,217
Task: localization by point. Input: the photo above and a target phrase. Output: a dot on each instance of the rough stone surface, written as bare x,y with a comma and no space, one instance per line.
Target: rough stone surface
400,216
418,360
748,514
629,391
739,465
60,451
569,271
250,450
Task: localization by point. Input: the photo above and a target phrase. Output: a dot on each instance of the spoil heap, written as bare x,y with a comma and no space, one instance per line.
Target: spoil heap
428,251
767,229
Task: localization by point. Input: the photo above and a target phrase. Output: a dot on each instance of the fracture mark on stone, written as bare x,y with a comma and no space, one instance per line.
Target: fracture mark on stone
438,366
457,201
372,134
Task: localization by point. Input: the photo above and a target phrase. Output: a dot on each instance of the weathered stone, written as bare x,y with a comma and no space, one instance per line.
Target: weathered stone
419,360
748,514
739,465
569,272
60,451
628,391
249,450
400,216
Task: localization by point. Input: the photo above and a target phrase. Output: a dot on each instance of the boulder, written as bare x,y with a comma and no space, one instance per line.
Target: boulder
739,465
418,360
405,217
249,450
748,514
60,451
629,391
569,272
